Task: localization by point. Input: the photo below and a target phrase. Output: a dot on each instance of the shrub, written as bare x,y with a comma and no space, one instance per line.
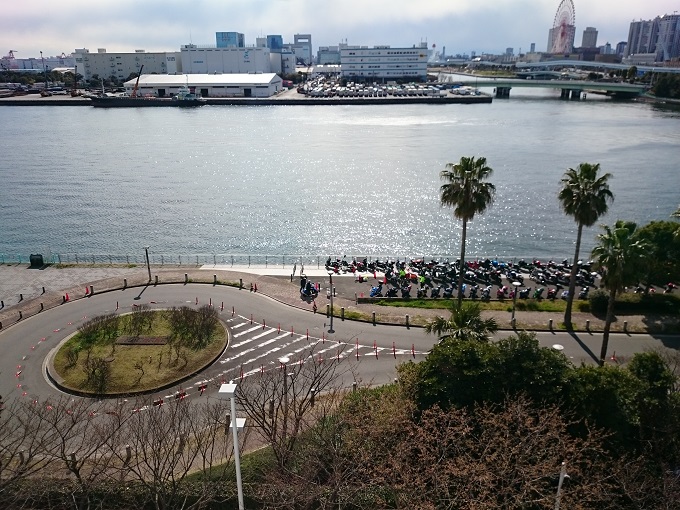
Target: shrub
598,301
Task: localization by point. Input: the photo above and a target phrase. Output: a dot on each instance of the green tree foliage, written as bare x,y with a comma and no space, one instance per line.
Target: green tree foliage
465,323
468,193
467,372
584,196
667,85
663,264
618,255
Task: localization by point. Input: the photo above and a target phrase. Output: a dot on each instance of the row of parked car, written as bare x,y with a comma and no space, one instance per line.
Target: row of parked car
332,88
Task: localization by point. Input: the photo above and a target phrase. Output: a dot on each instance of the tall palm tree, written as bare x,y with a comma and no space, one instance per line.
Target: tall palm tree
617,256
465,323
584,196
468,193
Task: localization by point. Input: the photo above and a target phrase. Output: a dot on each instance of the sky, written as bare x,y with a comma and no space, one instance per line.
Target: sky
461,26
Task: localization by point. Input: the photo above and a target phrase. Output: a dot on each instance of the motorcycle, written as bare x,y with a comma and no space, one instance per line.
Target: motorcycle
538,293
502,292
406,291
473,291
308,291
552,293
486,293
392,292
584,293
434,293
524,293
376,291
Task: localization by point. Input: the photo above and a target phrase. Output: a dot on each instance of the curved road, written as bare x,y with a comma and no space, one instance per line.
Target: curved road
262,331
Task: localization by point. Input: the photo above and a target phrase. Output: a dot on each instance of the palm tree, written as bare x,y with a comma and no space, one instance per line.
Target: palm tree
617,256
584,196
468,193
465,323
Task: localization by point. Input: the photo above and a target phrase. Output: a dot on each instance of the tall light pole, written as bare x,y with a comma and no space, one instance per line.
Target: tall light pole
229,391
330,278
516,285
148,265
284,360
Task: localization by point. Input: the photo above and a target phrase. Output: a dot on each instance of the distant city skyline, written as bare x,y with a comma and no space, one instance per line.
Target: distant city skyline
482,26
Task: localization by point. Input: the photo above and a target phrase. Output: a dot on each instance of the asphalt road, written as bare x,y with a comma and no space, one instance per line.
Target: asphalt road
262,331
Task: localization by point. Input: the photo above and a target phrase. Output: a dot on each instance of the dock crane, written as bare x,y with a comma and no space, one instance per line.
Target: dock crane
134,90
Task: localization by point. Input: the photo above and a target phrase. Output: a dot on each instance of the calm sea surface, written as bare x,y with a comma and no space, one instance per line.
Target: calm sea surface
321,180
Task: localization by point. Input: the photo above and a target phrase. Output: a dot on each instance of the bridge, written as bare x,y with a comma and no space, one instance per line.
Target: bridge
570,88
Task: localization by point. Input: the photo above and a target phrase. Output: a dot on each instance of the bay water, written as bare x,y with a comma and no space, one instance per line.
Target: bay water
322,180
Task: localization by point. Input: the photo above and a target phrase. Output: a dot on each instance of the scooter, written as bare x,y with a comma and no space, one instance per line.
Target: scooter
538,293
486,293
392,292
524,293
376,291
502,292
448,292
434,293
552,293
406,291
584,293
473,291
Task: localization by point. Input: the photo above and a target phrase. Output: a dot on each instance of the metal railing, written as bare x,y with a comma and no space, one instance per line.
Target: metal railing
231,260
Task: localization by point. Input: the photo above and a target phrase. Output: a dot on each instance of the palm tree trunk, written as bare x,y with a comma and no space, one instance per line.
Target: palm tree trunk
572,279
462,262
607,326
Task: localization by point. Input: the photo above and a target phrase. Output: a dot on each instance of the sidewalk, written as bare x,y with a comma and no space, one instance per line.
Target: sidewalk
273,282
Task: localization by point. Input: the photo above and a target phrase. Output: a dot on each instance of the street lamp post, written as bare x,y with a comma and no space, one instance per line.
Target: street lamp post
516,285
148,265
284,360
330,277
229,391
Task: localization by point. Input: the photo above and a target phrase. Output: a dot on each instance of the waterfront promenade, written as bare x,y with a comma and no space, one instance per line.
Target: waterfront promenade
18,279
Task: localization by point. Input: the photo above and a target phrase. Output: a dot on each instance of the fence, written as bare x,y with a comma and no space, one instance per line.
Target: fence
229,260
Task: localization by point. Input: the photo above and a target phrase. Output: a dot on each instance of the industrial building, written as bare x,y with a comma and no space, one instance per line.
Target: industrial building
122,65
208,85
384,63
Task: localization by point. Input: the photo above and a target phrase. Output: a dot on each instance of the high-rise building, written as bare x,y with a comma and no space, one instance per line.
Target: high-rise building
533,48
230,40
303,47
660,36
668,37
275,43
589,38
621,48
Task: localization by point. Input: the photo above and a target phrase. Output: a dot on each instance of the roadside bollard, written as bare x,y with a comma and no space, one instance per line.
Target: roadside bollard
42,307
625,326
2,304
356,299
155,282
373,317
334,294
43,290
91,289
342,313
240,283
408,326
354,387
186,278
214,279
588,325
21,297
21,315
125,283
328,310
550,323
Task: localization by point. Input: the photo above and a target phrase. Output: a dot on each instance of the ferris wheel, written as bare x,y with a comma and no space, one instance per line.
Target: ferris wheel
564,28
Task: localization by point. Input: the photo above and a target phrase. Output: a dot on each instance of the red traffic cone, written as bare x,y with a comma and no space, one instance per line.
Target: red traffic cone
67,296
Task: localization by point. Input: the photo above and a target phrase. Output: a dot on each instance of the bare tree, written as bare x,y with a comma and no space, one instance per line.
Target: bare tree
285,401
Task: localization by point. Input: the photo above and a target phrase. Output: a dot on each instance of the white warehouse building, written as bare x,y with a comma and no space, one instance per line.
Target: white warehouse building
209,85
384,63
